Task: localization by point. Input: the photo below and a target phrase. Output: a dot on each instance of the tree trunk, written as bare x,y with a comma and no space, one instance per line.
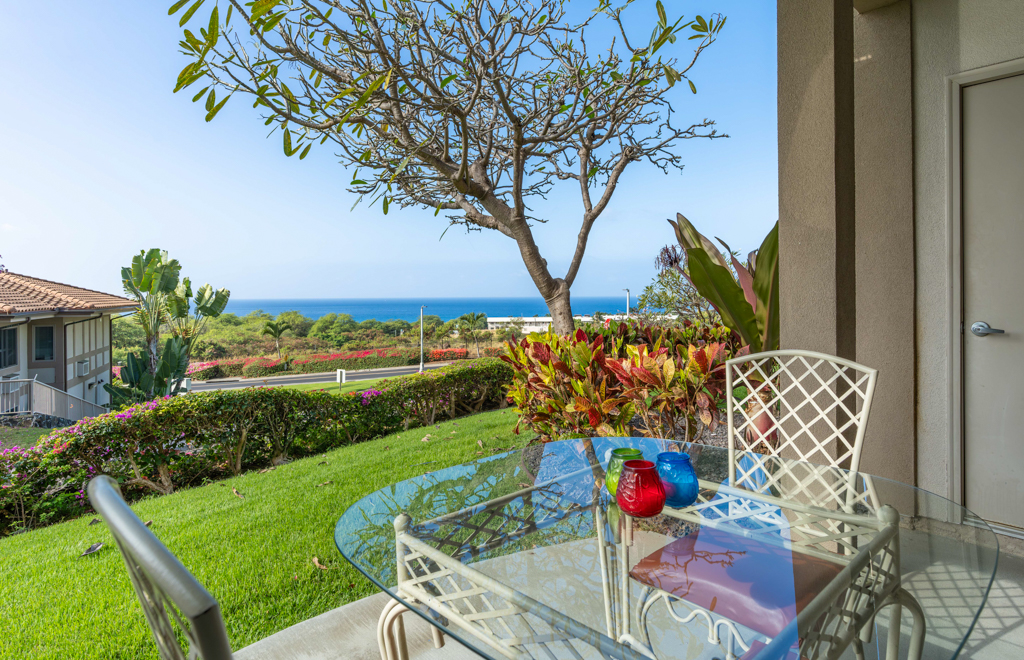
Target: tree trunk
561,310
154,348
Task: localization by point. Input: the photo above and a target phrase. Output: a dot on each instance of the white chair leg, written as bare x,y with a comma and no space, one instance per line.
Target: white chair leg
918,631
394,633
892,647
381,632
391,632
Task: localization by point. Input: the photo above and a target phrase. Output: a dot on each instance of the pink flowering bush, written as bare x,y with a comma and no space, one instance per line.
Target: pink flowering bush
445,354
160,446
263,368
196,367
377,358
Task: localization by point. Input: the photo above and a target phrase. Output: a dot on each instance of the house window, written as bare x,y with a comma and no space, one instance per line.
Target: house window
8,347
43,342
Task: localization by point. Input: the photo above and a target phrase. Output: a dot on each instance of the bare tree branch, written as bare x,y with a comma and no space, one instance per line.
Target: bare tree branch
474,108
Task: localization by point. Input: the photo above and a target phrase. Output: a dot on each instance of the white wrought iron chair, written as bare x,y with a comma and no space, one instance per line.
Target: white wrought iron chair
178,609
814,408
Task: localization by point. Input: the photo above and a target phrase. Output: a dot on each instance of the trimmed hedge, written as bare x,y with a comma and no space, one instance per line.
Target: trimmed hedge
444,354
263,368
448,392
166,444
377,358
374,359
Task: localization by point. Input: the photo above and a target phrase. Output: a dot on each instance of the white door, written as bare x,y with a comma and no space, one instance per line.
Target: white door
993,293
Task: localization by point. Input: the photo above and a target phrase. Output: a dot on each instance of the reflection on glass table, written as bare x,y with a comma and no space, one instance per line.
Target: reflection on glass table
526,555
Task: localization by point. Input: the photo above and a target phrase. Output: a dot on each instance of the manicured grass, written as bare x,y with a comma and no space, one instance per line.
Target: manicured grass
254,555
333,388
20,437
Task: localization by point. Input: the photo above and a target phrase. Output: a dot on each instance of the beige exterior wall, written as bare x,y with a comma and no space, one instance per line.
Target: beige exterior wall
885,234
949,37
50,372
902,54
816,175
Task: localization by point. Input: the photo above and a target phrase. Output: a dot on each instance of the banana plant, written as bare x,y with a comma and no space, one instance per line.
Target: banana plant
149,281
747,301
188,312
143,384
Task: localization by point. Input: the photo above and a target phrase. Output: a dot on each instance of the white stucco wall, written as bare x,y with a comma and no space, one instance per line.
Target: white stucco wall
949,37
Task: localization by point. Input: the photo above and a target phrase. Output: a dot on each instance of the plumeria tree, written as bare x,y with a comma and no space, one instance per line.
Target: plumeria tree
474,108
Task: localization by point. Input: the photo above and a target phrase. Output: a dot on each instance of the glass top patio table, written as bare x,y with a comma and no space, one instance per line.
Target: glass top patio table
525,554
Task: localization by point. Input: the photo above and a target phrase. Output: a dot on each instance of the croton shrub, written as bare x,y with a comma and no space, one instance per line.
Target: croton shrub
626,379
160,446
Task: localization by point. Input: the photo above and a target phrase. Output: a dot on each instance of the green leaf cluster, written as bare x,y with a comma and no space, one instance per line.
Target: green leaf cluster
746,297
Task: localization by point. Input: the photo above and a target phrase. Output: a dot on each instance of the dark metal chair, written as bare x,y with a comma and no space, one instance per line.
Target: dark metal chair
172,599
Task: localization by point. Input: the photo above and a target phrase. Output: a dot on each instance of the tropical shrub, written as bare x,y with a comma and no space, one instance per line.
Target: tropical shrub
494,351
139,381
620,380
459,389
372,359
445,354
40,484
263,367
160,446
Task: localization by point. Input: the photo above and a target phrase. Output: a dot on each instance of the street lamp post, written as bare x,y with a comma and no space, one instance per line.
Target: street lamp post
421,337
627,302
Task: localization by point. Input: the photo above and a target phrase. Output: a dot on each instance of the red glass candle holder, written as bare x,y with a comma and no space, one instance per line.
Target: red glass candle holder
640,492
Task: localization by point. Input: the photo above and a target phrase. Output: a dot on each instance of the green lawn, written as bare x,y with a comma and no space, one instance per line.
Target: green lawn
20,437
255,555
354,386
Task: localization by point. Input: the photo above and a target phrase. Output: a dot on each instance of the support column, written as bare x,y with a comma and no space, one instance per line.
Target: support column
885,234
817,276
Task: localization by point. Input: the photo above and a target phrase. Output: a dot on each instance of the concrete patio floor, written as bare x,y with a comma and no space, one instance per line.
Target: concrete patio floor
350,631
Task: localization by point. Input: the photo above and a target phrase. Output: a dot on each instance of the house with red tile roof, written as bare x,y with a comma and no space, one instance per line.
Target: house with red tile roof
57,334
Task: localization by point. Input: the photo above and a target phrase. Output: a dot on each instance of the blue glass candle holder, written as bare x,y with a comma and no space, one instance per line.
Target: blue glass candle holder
678,477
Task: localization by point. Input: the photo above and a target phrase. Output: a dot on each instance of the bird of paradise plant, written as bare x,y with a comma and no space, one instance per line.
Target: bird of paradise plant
747,298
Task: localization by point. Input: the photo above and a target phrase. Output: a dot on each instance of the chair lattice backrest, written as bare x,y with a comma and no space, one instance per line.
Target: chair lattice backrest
801,405
177,608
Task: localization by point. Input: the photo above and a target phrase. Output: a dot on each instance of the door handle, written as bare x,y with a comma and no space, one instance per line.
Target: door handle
981,329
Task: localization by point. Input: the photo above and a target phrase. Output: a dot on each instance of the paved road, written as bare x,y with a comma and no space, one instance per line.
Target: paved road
326,378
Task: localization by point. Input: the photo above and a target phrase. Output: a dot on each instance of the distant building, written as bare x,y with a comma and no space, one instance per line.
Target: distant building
539,323
57,334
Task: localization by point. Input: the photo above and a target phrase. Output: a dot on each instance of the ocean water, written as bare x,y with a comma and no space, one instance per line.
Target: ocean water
408,309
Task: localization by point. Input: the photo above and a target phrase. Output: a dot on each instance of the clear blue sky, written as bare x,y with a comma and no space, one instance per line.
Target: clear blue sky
100,160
